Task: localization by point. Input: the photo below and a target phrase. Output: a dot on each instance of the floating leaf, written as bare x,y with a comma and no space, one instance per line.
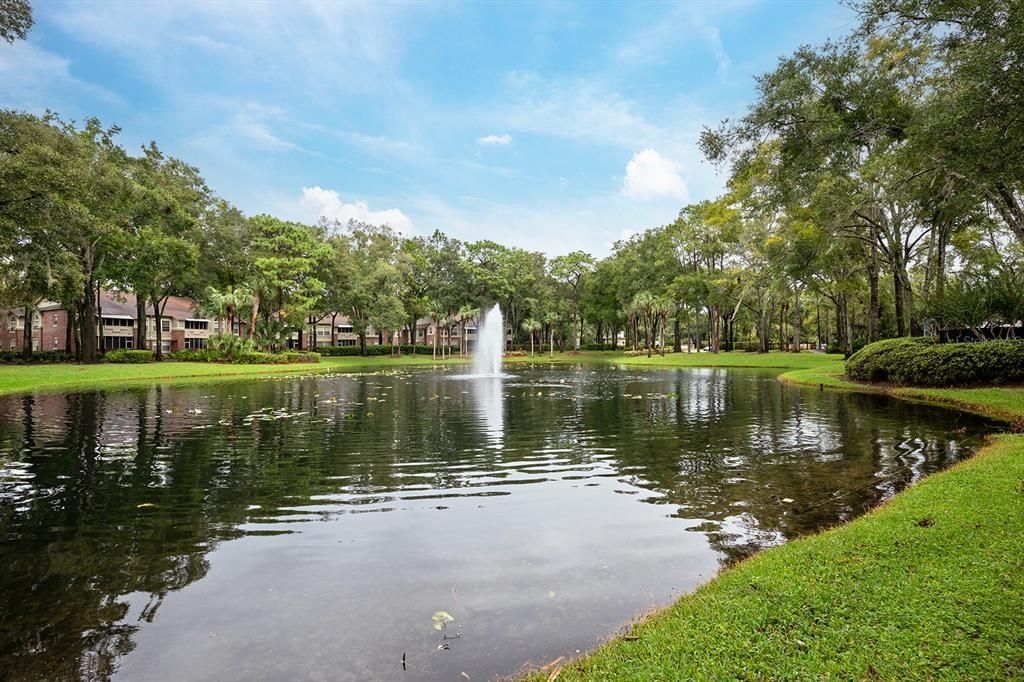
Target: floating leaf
441,619
145,504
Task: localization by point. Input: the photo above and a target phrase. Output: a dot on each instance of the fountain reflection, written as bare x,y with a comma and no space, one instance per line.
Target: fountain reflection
489,403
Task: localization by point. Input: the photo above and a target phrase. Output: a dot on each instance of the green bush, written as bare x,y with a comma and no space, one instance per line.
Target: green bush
195,355
245,358
598,346
128,356
286,357
922,362
379,350
14,357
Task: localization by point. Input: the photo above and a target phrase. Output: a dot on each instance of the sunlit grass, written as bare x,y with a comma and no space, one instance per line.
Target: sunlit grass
1006,403
18,378
928,586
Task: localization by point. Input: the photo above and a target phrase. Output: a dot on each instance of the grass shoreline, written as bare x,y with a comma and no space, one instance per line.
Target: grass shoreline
929,585
68,376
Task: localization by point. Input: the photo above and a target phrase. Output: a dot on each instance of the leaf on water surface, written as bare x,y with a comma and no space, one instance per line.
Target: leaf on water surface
441,619
145,504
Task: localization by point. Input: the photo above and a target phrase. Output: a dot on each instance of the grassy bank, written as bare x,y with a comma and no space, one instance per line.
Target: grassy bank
928,586
1003,403
18,378
773,360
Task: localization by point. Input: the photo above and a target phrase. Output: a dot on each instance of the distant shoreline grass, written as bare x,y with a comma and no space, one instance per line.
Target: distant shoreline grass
67,376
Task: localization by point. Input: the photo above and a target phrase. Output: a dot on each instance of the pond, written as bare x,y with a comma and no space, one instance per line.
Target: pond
314,528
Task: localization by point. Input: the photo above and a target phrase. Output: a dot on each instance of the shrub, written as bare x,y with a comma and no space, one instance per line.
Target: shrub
195,355
14,357
922,362
598,346
286,357
128,356
229,345
380,350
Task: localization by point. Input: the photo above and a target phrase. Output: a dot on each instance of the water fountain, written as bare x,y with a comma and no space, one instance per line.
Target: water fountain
490,344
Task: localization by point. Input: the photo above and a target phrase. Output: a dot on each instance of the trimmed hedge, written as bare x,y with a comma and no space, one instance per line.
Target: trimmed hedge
922,362
379,350
128,356
249,358
14,357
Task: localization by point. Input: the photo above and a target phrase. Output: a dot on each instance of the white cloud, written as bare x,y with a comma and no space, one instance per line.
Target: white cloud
649,175
30,75
328,204
495,139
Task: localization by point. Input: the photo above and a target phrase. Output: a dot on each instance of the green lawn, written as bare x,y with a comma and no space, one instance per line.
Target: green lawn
16,378
773,360
1004,403
928,586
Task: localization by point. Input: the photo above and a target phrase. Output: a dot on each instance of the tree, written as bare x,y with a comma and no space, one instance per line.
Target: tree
286,257
571,269
531,327
15,19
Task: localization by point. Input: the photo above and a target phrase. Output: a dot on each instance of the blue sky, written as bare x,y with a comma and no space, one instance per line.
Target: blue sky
551,126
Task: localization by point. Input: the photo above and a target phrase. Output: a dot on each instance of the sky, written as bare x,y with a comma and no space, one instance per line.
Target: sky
549,126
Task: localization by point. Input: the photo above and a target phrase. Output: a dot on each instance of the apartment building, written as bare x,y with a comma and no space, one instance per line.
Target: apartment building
181,325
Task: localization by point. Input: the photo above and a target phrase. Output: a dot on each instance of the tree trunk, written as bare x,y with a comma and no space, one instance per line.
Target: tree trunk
334,329
69,329
88,323
26,333
140,321
677,331
159,351
797,320
362,342
874,305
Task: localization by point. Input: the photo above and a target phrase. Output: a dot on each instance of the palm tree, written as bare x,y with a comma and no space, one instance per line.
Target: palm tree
466,312
229,303
434,313
551,318
530,326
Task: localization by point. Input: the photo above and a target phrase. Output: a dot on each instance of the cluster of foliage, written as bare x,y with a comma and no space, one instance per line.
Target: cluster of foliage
243,357
876,189
129,356
380,349
12,357
922,362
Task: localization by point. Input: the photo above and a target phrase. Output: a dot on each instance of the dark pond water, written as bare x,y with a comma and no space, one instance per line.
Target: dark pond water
309,528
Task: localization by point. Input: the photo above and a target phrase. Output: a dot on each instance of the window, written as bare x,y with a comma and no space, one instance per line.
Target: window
117,342
165,325
346,342
345,329
118,322
37,320
56,319
12,322
55,343
14,344
197,324
165,346
195,344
